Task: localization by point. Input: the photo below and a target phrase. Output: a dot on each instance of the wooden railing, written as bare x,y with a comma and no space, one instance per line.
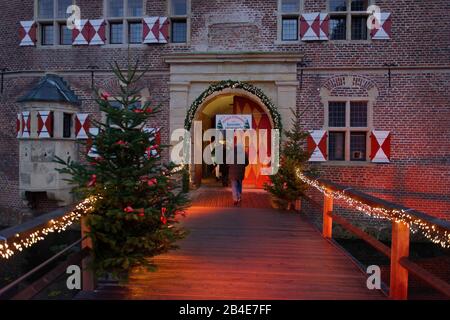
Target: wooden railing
398,253
9,236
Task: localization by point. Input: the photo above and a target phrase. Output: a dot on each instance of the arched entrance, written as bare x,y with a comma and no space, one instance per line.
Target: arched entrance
233,97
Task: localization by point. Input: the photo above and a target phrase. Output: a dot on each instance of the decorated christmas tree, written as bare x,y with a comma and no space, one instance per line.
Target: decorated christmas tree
285,186
138,196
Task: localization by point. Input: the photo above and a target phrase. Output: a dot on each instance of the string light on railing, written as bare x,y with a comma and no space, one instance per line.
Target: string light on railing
428,230
17,244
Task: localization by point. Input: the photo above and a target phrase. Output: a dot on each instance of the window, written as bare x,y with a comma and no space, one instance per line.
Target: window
348,19
290,5
47,34
65,35
359,28
336,114
67,125
338,28
61,8
115,8
179,31
358,146
179,7
358,114
289,29
179,17
348,126
135,32
116,33
289,15
125,21
135,8
51,17
336,146
46,9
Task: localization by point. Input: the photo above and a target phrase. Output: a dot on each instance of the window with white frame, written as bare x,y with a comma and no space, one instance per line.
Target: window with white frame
348,128
288,19
348,19
51,17
179,20
125,21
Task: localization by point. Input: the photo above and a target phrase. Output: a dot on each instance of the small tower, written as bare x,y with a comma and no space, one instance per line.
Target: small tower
45,129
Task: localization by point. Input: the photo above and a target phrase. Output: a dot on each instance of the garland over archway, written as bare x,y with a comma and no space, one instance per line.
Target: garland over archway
226,84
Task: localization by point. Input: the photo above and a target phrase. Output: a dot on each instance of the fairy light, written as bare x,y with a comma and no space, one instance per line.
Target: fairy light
8,247
428,230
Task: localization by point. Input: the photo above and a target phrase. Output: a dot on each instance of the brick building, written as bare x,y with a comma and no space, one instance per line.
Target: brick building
376,100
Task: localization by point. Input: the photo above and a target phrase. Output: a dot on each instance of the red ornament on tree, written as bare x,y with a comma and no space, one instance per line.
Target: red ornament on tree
140,212
163,215
122,143
128,209
105,95
92,181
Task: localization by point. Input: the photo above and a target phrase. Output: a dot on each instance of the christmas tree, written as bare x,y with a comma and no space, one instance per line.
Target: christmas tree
285,185
138,196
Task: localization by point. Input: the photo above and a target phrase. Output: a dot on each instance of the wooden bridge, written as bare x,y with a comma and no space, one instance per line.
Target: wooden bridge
255,252
246,253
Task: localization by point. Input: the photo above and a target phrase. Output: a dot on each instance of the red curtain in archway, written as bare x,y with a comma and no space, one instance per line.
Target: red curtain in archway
260,120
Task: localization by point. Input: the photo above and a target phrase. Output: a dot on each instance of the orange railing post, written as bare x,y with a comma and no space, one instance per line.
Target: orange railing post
399,249
327,218
88,278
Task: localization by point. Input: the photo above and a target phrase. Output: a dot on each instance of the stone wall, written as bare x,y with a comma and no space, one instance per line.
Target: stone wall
415,108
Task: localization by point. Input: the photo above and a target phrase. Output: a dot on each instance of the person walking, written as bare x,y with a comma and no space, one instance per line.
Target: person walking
236,172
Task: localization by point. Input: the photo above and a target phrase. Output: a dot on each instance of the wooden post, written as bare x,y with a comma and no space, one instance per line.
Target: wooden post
298,205
88,278
399,249
327,218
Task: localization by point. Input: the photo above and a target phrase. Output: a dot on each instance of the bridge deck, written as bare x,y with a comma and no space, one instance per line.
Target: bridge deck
246,253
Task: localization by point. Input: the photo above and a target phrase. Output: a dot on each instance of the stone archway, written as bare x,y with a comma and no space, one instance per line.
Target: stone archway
245,99
235,88
273,74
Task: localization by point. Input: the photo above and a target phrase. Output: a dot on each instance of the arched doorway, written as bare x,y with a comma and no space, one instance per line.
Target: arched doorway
232,97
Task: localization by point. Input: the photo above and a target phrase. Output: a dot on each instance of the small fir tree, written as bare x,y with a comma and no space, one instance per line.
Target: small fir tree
285,186
138,197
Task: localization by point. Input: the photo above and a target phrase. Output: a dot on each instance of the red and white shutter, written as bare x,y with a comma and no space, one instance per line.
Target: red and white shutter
82,35
150,30
27,33
314,26
26,124
19,125
90,146
317,145
98,32
163,29
45,124
385,27
82,125
156,139
380,146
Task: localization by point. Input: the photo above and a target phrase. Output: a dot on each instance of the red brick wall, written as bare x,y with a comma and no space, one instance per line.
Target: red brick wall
415,109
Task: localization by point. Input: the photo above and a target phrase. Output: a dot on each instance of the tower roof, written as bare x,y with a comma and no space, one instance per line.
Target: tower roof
51,88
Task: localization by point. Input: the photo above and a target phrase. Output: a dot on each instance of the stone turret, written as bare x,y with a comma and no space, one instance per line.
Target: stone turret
45,129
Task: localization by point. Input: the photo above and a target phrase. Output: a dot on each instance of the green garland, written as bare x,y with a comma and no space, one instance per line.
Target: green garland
219,86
